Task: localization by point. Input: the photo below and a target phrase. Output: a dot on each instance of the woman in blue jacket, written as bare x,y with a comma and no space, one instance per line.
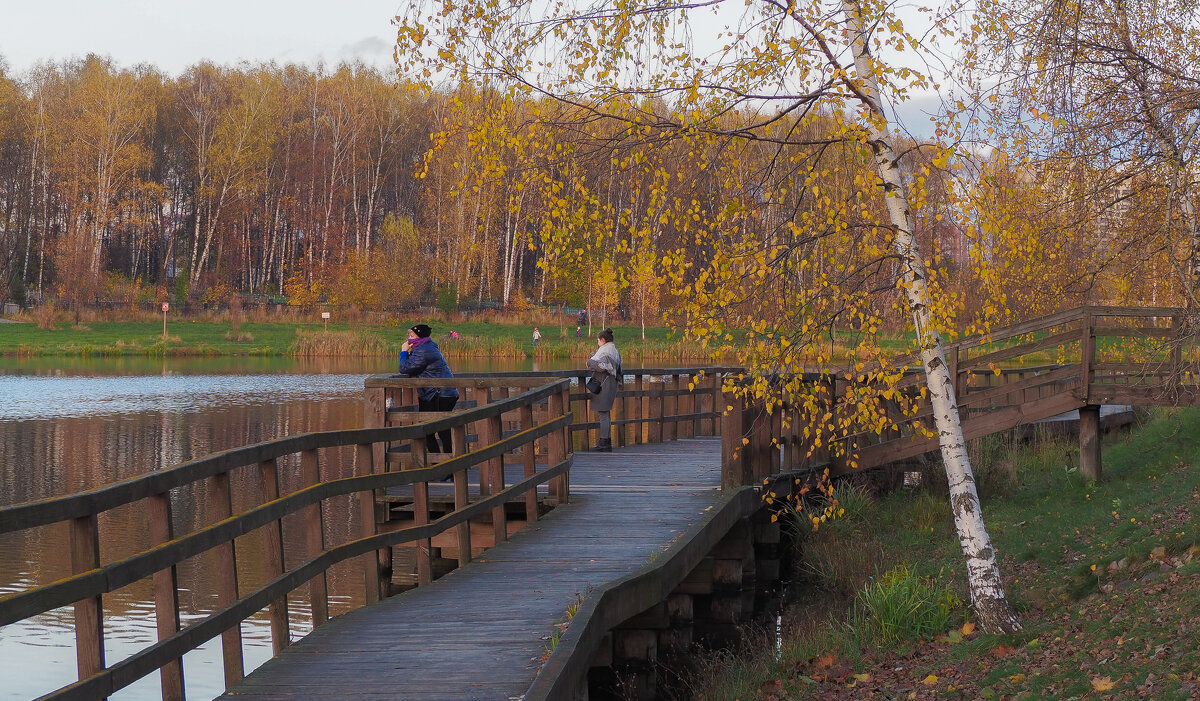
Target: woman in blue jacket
421,357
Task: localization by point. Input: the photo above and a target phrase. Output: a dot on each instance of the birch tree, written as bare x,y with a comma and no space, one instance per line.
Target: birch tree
1109,89
799,250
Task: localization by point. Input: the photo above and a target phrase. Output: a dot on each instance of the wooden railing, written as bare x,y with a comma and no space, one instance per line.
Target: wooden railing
154,492
653,404
1077,359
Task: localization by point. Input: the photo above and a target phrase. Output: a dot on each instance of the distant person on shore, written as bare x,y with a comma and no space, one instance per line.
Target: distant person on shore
603,385
537,335
421,357
578,332
453,334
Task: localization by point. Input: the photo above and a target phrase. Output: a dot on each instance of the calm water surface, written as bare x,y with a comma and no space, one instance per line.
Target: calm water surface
68,425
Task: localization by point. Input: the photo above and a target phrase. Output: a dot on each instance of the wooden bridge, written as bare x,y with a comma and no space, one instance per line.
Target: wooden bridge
639,552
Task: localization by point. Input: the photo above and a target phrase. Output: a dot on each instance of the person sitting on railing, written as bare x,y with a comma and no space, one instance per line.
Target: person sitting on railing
606,375
421,357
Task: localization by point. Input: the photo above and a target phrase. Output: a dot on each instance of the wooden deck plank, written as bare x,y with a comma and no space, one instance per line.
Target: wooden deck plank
437,642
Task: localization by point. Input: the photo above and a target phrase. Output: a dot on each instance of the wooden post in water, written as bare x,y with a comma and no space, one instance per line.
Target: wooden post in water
166,595
89,613
314,538
220,507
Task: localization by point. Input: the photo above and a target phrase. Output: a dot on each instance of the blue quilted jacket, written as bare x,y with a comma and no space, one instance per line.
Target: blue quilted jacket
426,360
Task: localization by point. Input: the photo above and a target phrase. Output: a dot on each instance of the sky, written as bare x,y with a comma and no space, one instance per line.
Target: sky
172,35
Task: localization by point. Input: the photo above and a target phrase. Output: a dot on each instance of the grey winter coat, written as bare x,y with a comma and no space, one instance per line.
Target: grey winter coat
606,365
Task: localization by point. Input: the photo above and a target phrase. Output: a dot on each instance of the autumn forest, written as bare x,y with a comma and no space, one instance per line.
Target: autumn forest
343,187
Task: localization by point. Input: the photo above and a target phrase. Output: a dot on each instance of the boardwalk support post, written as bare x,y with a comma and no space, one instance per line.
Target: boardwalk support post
1089,442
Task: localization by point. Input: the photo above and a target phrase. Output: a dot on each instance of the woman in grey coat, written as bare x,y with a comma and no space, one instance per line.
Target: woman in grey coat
606,367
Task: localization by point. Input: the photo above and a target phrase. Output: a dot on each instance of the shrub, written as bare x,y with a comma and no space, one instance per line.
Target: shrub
842,552
45,315
900,606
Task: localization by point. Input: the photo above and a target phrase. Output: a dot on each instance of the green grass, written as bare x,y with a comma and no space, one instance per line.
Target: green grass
1105,576
208,338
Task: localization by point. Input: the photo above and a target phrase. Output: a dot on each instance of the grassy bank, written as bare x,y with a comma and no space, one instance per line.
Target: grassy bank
1106,577
216,338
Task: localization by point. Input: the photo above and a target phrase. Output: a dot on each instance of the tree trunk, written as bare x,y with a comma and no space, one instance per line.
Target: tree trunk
992,609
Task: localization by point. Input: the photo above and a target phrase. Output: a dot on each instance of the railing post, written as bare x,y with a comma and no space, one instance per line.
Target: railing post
424,556
499,518
639,429
375,416
166,595
733,453
717,405
220,507
364,465
529,460
952,360
89,613
314,538
461,496
585,415
558,442
655,405
695,405
760,439
1087,353
273,532
671,409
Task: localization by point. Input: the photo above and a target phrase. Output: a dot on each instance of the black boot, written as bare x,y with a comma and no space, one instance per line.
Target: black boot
603,445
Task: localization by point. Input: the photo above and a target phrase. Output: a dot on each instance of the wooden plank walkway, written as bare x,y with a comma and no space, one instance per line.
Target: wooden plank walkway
481,631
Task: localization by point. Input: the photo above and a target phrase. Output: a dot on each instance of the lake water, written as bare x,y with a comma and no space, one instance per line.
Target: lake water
68,425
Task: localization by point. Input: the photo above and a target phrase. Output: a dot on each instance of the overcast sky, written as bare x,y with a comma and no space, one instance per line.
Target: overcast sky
173,35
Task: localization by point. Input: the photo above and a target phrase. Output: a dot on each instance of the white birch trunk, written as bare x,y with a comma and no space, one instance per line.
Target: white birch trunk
992,609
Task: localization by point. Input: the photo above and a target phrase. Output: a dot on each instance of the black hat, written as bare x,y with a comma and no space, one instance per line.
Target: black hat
422,330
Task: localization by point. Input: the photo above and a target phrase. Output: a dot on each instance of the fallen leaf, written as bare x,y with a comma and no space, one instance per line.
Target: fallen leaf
931,679
862,677
954,637
968,628
1102,684
826,661
775,686
1017,679
1002,651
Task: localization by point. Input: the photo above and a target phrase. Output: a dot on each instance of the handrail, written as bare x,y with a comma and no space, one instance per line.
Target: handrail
89,582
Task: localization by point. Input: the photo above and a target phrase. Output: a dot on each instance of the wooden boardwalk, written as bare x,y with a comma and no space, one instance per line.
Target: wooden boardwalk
481,631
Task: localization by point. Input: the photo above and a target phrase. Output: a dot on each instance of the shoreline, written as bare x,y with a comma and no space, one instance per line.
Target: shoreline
194,338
